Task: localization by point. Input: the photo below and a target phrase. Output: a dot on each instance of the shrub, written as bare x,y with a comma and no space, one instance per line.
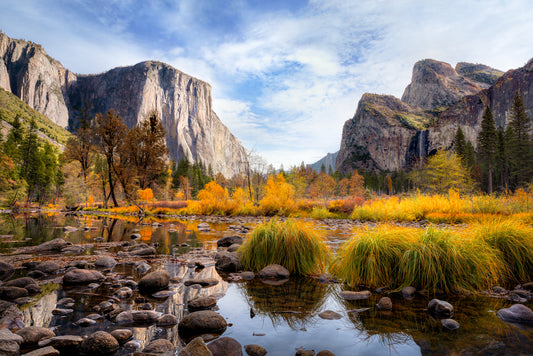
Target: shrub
292,244
278,197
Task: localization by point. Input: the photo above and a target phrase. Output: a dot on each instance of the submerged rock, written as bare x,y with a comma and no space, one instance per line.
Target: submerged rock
349,295
225,346
202,322
159,346
255,350
330,315
385,303
201,303
229,240
450,324
274,271
82,276
227,261
122,335
516,313
440,308
408,292
154,281
196,347
99,343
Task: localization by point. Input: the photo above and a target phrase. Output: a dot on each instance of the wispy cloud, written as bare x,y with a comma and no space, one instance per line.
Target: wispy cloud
285,75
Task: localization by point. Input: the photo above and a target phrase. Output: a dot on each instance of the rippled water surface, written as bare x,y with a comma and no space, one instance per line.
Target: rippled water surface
282,318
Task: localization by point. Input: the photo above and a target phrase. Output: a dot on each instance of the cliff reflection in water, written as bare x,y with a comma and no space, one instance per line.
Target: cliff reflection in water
294,302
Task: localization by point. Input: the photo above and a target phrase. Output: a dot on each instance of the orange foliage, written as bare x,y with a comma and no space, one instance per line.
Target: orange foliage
278,197
146,194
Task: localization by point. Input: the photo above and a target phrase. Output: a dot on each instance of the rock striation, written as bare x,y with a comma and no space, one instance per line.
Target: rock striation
388,134
183,103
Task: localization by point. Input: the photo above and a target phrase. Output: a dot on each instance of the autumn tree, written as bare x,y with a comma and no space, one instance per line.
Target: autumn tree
278,197
442,172
80,147
109,131
323,187
487,144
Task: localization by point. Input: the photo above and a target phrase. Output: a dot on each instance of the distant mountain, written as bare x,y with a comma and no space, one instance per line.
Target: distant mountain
183,103
11,106
388,134
328,161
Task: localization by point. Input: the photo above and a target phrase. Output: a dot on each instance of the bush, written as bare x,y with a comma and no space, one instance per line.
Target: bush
292,244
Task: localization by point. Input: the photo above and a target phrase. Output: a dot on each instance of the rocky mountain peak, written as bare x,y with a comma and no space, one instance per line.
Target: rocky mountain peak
479,73
436,85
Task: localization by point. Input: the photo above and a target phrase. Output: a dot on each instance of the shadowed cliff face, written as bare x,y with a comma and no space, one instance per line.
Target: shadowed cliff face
395,133
183,103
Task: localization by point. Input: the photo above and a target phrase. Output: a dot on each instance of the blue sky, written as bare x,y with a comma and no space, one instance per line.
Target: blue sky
287,74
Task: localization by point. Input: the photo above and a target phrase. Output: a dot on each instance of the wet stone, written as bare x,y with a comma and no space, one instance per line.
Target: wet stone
45,351
255,350
205,282
440,308
325,353
99,343
47,267
202,322
9,343
124,293
229,240
350,295
450,324
274,271
159,346
385,303
201,303
105,262
408,292
11,293
59,311
154,281
196,347
82,276
163,294
122,335
330,315
167,320
225,346
85,322
516,313
62,342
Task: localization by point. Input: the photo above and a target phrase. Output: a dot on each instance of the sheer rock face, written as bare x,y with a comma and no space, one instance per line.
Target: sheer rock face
436,84
36,78
184,103
387,134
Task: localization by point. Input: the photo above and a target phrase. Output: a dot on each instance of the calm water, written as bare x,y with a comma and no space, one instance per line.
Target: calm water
286,316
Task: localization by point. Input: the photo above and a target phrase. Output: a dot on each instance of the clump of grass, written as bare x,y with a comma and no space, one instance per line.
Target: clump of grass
292,244
514,240
321,213
444,260
372,257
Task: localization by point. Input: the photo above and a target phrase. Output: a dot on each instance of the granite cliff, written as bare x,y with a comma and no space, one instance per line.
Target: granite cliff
388,134
184,103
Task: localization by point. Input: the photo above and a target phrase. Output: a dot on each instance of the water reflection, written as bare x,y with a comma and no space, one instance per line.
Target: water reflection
294,302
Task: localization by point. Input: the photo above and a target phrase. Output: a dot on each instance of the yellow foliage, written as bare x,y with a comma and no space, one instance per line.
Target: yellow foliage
278,197
179,195
214,199
90,200
145,194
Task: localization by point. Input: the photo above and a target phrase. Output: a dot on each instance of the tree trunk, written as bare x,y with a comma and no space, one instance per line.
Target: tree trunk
110,178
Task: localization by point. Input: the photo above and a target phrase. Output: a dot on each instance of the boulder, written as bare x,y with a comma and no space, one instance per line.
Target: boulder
9,343
99,343
385,303
196,347
142,267
105,262
330,315
6,271
145,251
325,353
201,303
31,335
20,282
274,272
440,308
33,288
227,261
516,313
122,335
82,276
229,240
85,322
11,293
233,247
45,351
202,322
225,346
450,324
350,295
154,281
50,246
255,350
159,346
528,286
305,353
47,267
123,293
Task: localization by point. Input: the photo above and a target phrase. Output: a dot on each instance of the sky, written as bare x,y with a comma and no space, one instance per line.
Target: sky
285,74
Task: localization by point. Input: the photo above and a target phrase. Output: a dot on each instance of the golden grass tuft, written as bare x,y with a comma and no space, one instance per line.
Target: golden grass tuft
293,244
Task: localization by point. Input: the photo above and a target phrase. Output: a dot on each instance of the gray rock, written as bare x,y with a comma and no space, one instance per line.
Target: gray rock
330,315
82,276
62,342
516,313
123,293
146,251
47,267
11,293
305,353
225,346
385,303
196,347
6,271
202,322
85,322
122,335
22,282
255,350
133,345
350,295
274,271
233,247
440,308
204,282
247,275
59,311
45,351
154,281
9,343
450,324
203,227
142,267
49,246
163,294
99,343
229,240
325,353
105,262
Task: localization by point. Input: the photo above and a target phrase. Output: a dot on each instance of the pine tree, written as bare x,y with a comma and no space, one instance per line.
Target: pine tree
460,142
487,142
519,143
